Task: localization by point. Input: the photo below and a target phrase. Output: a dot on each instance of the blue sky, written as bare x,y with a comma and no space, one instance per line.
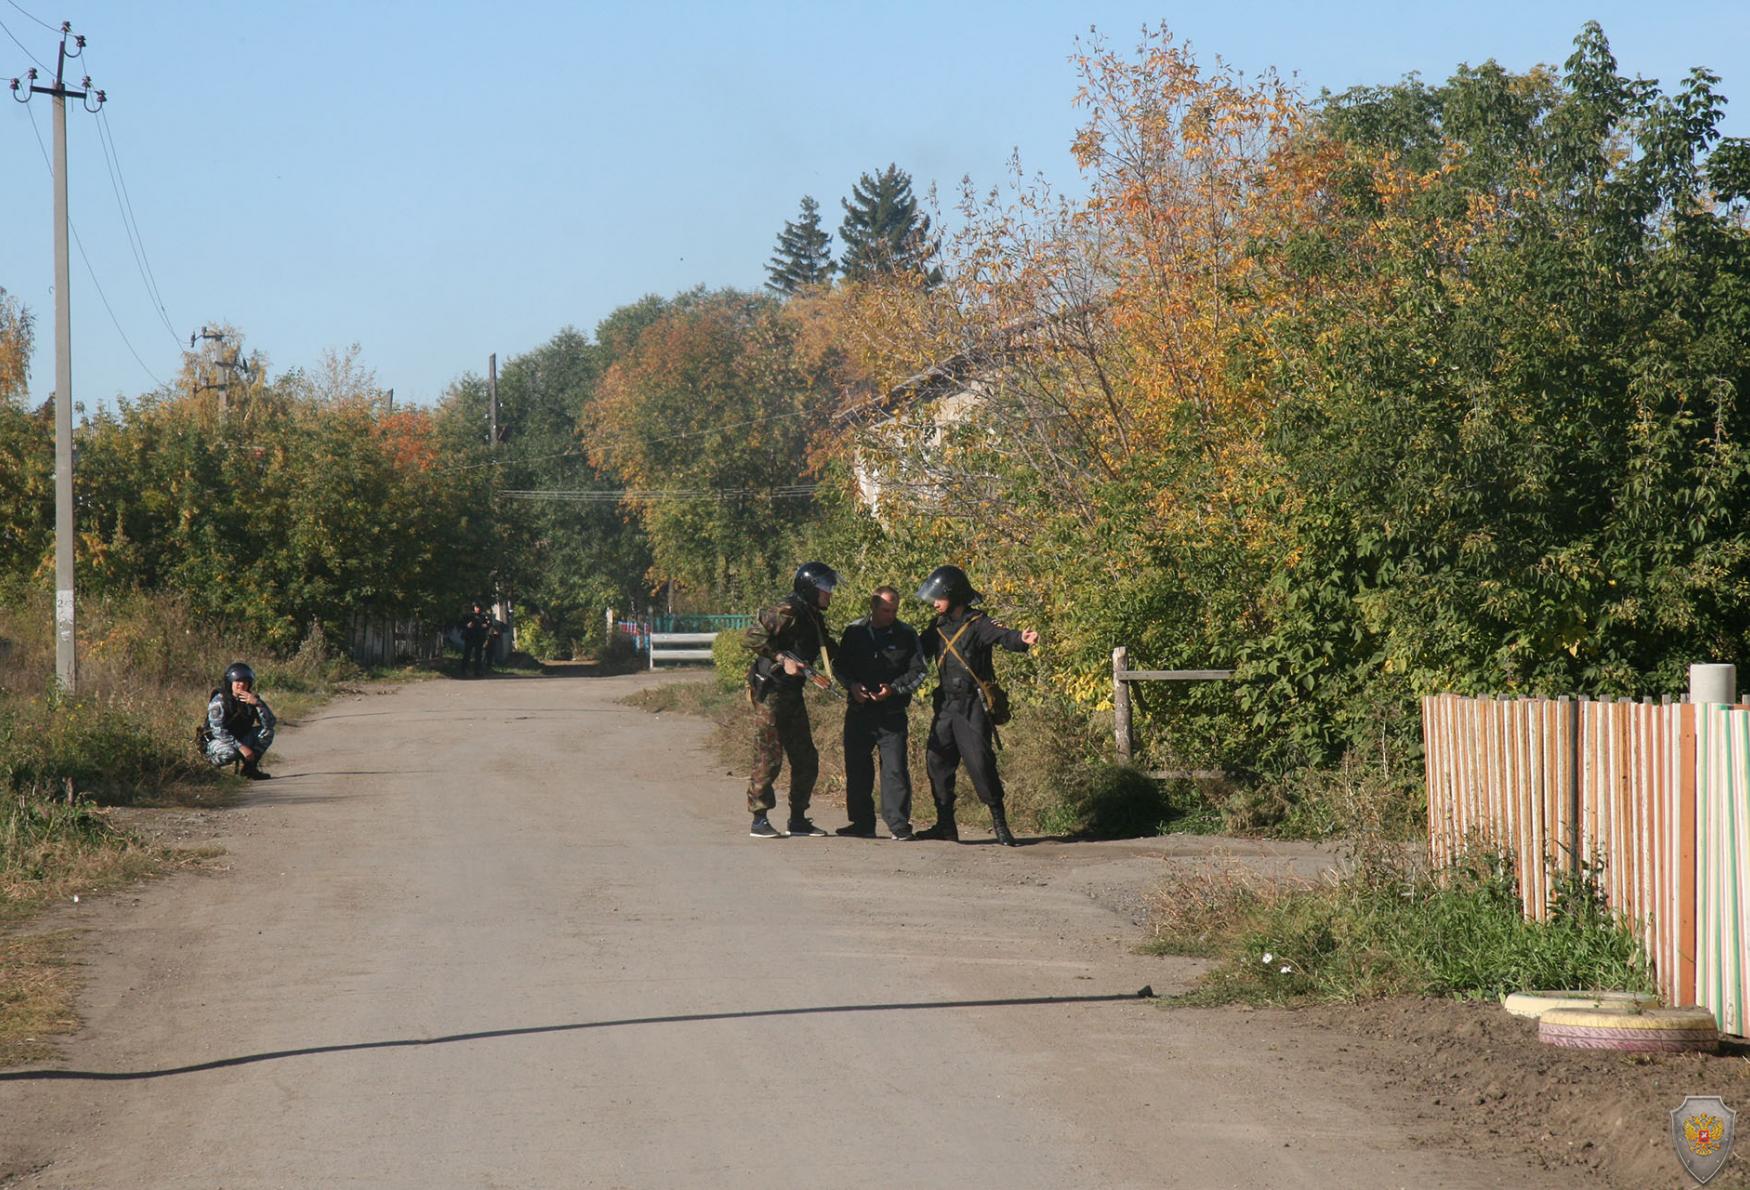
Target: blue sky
438,181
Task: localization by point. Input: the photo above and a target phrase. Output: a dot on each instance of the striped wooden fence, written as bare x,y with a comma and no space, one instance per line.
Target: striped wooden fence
1722,858
1659,791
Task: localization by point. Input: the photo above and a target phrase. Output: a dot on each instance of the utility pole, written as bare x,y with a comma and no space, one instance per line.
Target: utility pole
66,655
231,367
492,400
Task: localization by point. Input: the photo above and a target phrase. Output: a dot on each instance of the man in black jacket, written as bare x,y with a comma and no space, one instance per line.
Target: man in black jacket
476,636
880,663
959,641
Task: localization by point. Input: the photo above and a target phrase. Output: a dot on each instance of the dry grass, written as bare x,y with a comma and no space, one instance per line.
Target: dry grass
146,669
1202,909
38,986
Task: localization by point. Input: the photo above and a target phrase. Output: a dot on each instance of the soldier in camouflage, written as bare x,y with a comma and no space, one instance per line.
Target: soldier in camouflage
794,625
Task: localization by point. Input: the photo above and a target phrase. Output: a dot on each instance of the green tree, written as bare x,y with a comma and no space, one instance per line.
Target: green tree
706,422
804,253
883,230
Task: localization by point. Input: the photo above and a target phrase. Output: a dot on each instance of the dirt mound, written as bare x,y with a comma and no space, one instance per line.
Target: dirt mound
1471,1075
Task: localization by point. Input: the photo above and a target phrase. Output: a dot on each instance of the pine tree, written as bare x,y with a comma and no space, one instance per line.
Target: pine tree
803,255
883,231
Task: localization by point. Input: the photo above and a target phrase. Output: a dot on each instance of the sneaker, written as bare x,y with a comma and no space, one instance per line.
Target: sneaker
802,828
853,831
903,835
763,829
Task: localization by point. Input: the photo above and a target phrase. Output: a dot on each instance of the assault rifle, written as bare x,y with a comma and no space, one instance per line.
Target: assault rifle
812,674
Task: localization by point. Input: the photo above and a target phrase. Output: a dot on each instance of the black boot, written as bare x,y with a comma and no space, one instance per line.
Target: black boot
999,822
252,770
944,831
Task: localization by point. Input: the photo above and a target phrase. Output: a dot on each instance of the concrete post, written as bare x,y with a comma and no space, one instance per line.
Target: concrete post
1713,683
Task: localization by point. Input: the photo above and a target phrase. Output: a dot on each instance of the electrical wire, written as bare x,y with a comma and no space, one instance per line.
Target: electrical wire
730,425
600,496
95,284
130,222
34,17
22,46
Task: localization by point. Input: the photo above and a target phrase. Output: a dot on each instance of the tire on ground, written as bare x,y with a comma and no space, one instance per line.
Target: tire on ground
1535,1003
1656,1030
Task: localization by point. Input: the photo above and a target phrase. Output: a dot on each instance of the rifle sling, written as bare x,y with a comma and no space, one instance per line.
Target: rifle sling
948,643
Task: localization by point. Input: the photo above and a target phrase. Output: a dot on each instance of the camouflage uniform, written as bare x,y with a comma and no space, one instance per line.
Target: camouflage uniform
781,729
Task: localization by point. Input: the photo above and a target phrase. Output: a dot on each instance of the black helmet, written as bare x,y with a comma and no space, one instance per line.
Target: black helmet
950,583
812,577
239,672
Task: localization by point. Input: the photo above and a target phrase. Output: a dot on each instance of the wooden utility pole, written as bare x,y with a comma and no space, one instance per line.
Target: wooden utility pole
66,654
1125,737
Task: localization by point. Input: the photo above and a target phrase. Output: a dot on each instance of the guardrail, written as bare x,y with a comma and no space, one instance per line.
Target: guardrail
680,646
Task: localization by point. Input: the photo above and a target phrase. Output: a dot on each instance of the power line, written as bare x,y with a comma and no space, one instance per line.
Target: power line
716,429
130,222
32,16
602,496
95,284
22,46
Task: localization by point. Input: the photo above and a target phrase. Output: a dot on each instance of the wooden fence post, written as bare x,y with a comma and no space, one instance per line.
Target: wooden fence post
1121,703
1574,783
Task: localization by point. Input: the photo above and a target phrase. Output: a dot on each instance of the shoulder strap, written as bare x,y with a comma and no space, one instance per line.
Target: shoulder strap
948,643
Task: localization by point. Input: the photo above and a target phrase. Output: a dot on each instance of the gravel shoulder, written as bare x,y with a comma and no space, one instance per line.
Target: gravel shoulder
513,933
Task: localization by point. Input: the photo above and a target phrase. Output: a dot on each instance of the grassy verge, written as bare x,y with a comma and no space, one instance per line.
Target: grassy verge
127,738
38,985
146,668
1386,929
51,851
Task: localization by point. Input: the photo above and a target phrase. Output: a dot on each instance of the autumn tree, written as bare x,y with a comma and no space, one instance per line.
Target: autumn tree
803,256
706,422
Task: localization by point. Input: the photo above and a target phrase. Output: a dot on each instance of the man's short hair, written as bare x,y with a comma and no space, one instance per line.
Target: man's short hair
884,593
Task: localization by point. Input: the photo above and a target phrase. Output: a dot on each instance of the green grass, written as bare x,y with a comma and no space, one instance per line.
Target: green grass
1385,930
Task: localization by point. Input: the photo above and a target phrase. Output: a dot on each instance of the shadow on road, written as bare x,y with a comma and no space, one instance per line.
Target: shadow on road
19,1076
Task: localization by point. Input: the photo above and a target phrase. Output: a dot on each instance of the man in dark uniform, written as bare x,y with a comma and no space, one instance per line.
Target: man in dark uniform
959,641
880,663
476,631
774,686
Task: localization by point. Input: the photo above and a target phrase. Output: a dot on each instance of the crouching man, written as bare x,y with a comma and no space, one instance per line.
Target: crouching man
239,723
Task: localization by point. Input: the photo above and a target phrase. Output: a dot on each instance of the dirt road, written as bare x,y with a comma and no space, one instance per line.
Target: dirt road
511,933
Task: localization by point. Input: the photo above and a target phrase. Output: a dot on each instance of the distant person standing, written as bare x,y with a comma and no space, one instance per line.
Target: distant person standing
782,639
477,629
239,724
880,663
959,640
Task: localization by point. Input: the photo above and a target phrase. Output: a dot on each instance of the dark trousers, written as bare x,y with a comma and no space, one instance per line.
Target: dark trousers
475,651
868,730
961,734
781,733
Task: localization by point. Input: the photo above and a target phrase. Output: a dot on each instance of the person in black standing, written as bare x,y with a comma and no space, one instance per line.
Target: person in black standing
880,663
959,640
476,631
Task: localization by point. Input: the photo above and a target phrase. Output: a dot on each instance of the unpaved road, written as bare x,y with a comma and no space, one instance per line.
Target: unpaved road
510,933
